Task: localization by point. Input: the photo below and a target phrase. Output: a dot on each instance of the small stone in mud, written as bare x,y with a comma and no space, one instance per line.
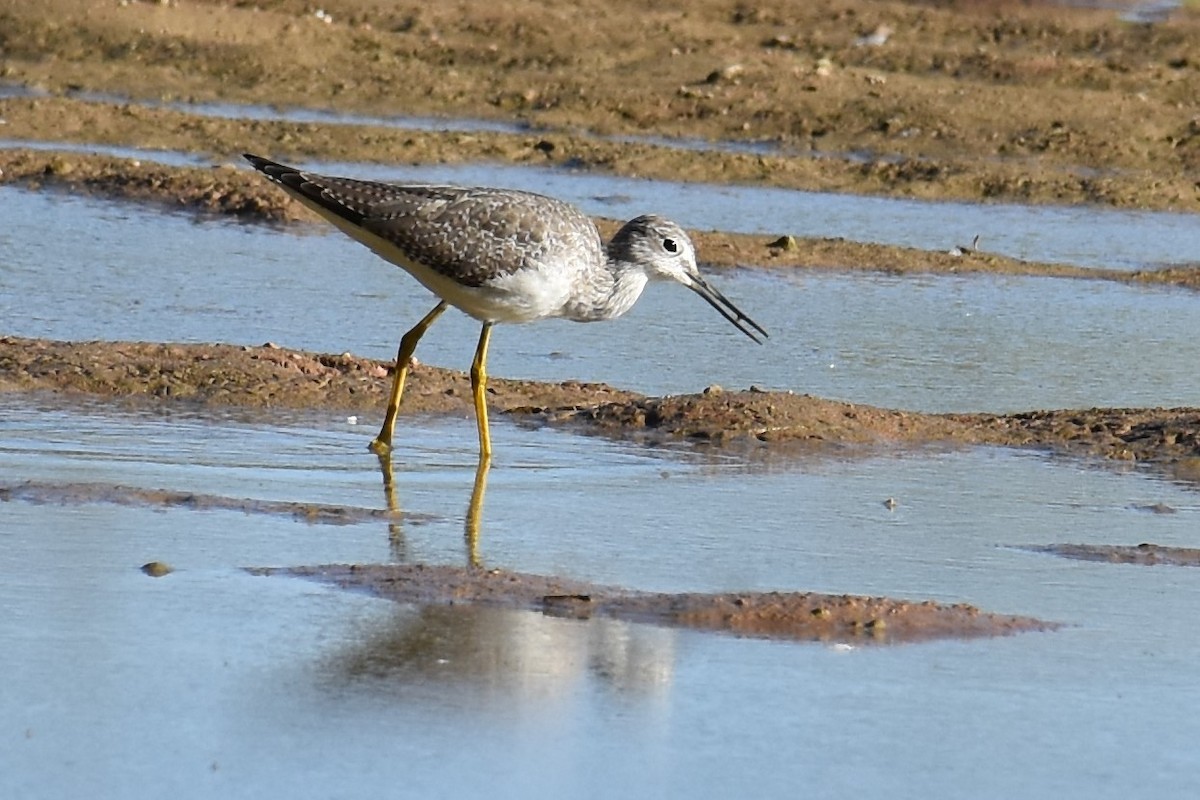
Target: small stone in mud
157,569
59,166
728,73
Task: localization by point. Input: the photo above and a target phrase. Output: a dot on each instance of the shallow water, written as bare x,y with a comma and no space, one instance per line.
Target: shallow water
1088,236
198,678
976,343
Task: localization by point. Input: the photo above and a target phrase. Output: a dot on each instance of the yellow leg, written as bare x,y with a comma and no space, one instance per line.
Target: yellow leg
382,445
479,390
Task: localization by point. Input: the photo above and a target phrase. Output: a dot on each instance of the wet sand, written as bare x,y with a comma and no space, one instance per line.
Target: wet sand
87,493
984,100
773,615
1145,554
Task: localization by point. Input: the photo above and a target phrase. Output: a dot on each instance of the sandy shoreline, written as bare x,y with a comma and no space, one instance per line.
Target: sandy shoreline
980,100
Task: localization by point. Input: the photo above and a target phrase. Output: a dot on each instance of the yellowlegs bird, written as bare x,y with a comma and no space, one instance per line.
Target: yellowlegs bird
500,255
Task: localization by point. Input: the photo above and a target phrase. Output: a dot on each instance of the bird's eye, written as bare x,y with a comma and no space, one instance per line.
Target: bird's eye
670,246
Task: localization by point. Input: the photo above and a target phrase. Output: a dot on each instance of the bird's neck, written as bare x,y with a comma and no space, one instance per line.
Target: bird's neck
607,292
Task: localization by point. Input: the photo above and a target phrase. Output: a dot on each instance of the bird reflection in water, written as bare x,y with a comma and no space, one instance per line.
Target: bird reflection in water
471,526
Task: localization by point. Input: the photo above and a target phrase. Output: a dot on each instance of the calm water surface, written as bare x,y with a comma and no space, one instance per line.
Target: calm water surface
218,682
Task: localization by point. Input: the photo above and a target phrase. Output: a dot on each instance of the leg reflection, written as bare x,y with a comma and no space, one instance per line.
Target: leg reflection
475,511
397,542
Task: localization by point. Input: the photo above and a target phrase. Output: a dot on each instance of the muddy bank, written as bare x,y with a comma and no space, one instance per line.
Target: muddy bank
121,124
272,377
772,615
976,100
1145,554
261,377
1167,439
88,493
239,192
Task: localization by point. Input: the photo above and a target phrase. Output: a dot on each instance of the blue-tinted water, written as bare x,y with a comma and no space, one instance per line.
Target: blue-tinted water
212,681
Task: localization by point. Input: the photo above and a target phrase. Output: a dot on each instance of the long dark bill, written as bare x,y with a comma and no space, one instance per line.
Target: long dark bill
728,310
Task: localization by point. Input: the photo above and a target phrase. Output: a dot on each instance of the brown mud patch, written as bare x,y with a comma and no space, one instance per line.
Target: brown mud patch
261,377
775,615
238,192
985,100
1145,554
44,492
752,420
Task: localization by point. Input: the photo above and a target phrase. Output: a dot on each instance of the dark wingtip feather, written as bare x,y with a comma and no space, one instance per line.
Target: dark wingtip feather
272,169
285,176
307,187
260,163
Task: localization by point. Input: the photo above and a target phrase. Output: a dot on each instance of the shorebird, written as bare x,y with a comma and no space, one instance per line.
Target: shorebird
963,249
500,256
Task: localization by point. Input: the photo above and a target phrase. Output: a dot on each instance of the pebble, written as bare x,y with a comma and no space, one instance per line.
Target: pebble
157,569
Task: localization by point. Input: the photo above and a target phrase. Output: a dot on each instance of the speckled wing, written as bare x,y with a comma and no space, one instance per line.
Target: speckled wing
472,235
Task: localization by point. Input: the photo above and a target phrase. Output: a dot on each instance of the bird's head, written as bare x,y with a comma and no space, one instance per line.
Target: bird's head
664,251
